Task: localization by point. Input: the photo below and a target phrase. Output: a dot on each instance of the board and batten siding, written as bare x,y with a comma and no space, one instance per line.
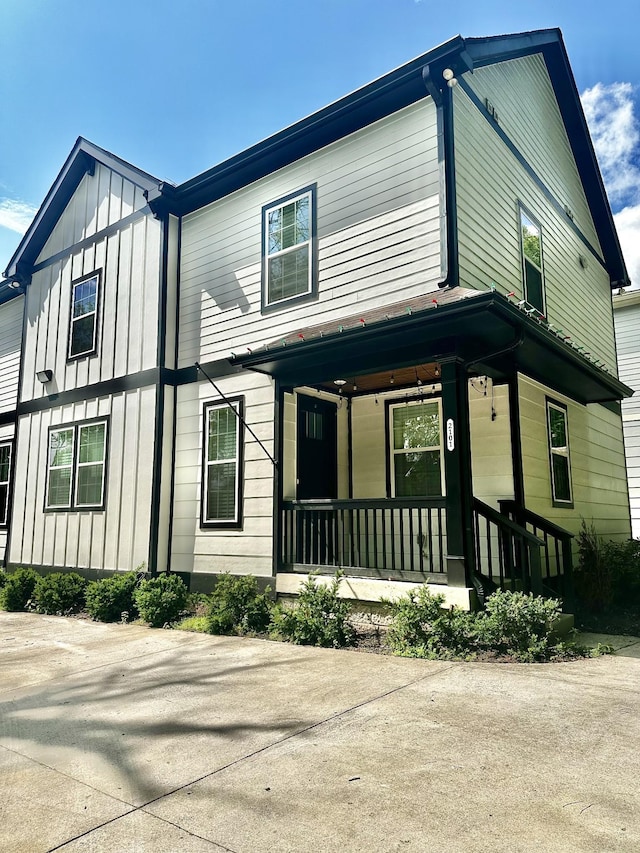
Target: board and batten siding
116,538
101,199
209,550
10,344
127,335
596,449
627,320
378,225
491,182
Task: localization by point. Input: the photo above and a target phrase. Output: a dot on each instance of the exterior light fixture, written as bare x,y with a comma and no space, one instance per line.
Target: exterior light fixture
44,376
340,383
437,370
450,77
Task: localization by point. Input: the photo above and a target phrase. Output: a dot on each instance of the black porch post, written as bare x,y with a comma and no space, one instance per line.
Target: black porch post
457,473
278,452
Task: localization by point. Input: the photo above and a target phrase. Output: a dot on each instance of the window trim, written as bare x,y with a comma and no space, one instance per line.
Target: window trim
560,407
312,293
524,211
4,523
73,506
398,402
97,274
223,523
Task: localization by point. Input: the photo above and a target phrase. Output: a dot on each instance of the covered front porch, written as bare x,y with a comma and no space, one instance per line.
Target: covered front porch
383,425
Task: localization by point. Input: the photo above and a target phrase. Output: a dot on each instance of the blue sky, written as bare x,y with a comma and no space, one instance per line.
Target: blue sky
175,87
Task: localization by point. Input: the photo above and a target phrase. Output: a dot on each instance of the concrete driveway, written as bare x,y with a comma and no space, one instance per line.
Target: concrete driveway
123,738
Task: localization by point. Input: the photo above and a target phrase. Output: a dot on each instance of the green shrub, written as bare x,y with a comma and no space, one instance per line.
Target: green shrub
236,606
3,578
161,600
108,599
513,624
608,572
17,591
318,618
421,628
519,625
59,593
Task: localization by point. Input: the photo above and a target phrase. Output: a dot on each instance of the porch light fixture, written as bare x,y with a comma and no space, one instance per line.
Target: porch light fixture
450,77
437,370
44,376
340,383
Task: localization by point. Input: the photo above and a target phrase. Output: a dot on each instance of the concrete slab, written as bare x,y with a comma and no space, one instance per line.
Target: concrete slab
183,742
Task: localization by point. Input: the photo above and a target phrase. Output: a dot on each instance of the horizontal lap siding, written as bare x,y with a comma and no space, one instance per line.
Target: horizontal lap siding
378,227
491,463
10,341
597,463
116,538
491,182
128,314
246,551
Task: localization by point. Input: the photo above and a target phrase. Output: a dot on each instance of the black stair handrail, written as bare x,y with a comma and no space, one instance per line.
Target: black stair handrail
519,548
548,528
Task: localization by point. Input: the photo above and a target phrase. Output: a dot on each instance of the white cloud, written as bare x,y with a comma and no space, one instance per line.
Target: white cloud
615,131
16,215
628,225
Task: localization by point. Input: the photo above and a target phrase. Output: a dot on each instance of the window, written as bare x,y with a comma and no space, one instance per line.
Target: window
532,261
416,449
222,465
5,470
83,329
559,454
288,256
76,466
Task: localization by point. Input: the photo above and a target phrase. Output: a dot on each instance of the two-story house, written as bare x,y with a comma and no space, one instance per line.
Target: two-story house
380,340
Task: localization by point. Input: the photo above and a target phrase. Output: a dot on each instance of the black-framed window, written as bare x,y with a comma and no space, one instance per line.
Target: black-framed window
559,455
289,267
415,448
83,322
77,465
531,251
222,463
6,449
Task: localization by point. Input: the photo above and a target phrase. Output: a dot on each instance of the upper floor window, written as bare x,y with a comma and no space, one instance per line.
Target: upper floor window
222,465
532,260
83,331
416,449
288,256
559,454
76,466
5,471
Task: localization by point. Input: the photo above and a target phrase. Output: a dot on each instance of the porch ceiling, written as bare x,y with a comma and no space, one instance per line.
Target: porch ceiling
485,330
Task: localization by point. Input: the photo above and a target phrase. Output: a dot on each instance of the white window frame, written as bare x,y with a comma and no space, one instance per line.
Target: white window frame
562,452
393,452
267,256
208,520
75,465
71,356
4,510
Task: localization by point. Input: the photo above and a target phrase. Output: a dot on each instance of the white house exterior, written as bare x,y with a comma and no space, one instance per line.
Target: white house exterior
380,341
627,321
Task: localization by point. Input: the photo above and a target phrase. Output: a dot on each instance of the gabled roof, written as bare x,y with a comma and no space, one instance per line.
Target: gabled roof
397,89
81,160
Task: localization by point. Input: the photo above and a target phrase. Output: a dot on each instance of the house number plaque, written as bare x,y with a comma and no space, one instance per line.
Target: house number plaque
451,443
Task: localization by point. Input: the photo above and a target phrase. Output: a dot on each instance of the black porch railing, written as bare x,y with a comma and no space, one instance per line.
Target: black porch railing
506,553
389,537
556,555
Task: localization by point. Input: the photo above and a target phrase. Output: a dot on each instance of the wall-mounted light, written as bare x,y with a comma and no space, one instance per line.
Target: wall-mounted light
450,77
44,376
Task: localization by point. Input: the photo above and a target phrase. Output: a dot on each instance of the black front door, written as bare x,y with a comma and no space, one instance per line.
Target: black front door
317,450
